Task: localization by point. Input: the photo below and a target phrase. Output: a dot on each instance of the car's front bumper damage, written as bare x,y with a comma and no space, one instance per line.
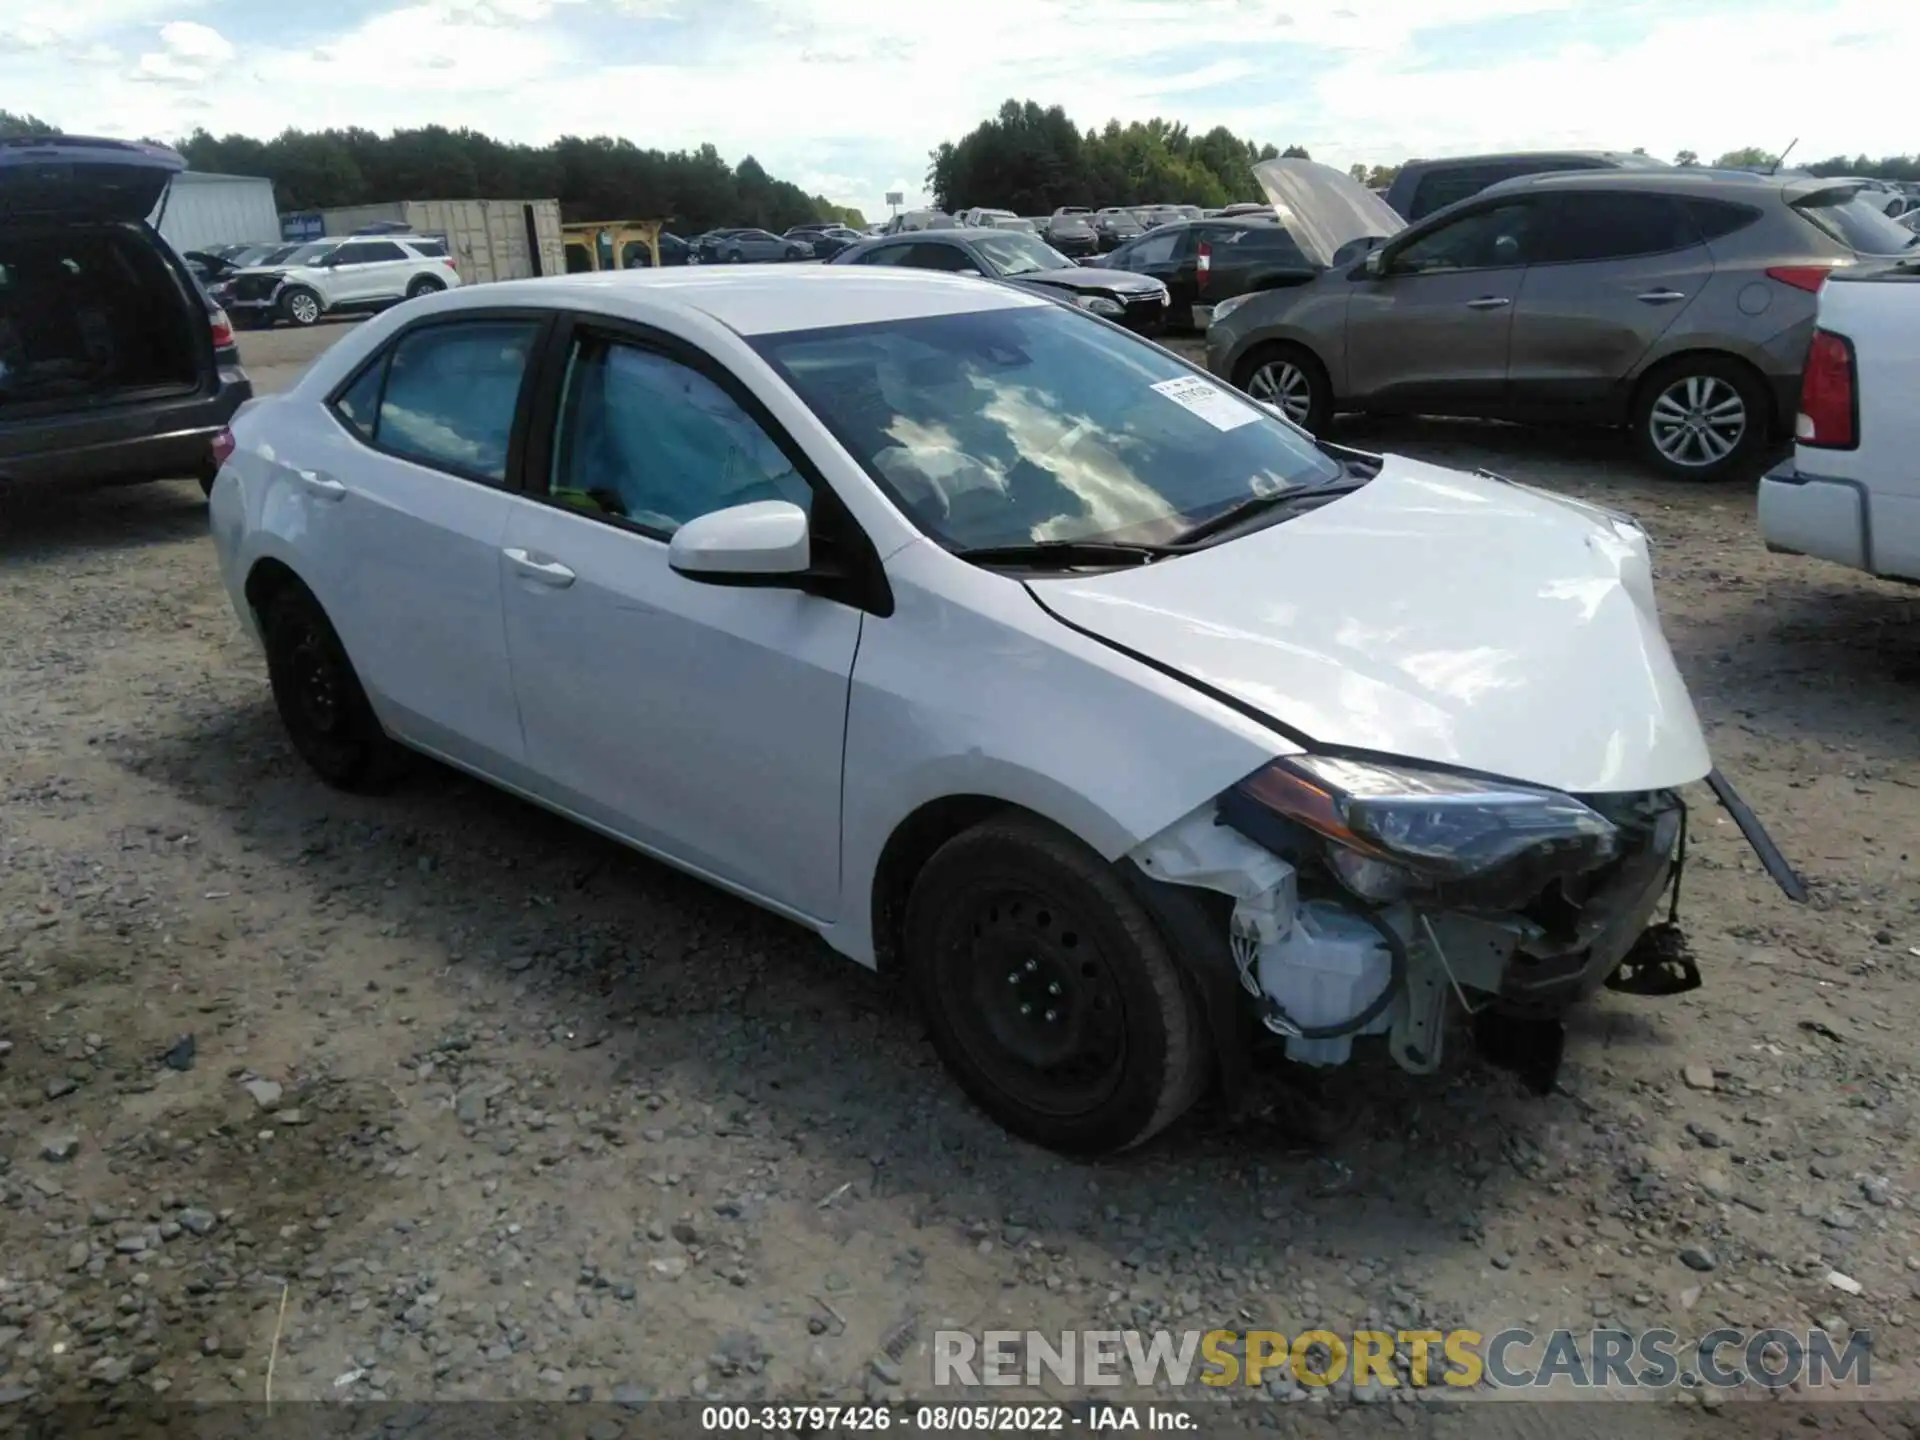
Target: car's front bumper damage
1321,968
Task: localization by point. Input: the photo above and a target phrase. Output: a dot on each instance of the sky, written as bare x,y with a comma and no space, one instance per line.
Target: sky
846,97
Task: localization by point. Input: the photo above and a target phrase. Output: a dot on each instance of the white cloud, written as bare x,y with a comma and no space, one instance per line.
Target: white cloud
842,94
189,54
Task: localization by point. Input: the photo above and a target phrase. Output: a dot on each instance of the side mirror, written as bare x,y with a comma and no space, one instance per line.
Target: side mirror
968,270
762,543
1373,267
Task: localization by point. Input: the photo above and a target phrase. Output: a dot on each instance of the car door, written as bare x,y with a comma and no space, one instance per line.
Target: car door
387,269
702,722
1614,272
404,508
1434,327
352,272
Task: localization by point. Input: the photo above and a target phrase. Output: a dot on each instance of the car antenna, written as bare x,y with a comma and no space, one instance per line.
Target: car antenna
1782,158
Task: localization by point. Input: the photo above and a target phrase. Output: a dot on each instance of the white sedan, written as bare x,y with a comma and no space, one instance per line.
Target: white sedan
998,646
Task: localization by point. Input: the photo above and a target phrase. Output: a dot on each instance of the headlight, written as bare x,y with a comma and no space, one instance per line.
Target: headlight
1391,831
1100,305
1229,305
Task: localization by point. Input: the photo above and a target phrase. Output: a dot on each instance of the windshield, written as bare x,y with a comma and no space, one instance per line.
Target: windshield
1034,423
1017,254
307,255
1858,224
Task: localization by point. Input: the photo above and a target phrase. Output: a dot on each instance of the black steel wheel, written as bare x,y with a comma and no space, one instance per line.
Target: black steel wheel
319,697
1049,992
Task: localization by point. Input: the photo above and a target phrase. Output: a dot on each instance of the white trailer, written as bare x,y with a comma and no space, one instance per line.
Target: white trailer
199,210
489,239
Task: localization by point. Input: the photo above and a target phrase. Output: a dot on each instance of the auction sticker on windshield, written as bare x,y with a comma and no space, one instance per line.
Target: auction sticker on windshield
1217,407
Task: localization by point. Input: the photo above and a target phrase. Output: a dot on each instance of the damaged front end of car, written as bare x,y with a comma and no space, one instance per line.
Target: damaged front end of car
1386,898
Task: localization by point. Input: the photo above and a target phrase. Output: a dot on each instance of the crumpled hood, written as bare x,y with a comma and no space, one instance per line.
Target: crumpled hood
1432,615
1085,279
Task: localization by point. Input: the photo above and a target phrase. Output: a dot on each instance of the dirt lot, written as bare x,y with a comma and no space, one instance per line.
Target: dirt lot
497,1109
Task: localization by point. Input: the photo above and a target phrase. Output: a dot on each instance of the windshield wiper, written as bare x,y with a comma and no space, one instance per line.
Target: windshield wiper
1069,552
1239,513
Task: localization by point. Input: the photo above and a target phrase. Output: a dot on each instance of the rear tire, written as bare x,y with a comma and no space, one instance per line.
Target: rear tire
301,306
320,699
1292,377
424,285
1049,992
1701,417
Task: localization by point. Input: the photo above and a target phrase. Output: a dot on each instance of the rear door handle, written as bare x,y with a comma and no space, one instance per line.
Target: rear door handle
547,572
1662,297
321,486
1488,302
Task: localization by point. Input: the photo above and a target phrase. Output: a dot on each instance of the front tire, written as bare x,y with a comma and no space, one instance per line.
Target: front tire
1700,417
319,697
301,306
1292,377
1049,992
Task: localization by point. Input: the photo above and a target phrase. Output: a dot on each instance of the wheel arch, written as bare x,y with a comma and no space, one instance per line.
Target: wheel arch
267,577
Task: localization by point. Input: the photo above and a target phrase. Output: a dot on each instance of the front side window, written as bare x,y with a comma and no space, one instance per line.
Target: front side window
649,441
1022,424
1496,237
451,393
928,256
1156,249
1614,226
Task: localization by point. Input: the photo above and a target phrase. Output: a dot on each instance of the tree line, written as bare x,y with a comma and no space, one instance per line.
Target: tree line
594,178
1032,161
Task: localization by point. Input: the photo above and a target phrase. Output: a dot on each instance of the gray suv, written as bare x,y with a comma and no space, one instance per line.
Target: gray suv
1678,303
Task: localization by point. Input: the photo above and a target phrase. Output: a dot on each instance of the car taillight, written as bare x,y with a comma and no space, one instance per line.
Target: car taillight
447,260
1829,395
223,447
1203,266
222,329
1801,277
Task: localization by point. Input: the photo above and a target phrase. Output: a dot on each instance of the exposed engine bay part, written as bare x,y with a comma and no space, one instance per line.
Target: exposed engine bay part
1776,864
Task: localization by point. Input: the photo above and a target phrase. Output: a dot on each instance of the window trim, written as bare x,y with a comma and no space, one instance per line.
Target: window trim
1678,203
860,582
544,321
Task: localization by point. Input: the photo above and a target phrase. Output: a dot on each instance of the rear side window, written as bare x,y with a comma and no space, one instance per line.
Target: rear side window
1856,223
1258,242
432,249
1612,226
449,396
1716,218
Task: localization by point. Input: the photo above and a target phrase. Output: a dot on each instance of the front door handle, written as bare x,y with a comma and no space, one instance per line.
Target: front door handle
321,486
547,572
1661,297
1488,302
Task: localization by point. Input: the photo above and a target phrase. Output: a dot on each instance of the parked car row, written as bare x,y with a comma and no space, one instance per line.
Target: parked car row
302,284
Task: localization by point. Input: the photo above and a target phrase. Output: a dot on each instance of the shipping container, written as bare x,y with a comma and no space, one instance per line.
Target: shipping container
488,239
198,211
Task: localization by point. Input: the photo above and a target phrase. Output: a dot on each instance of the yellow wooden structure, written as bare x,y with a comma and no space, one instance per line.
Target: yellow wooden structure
606,244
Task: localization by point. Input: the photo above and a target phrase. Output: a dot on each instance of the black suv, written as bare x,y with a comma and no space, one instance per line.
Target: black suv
1202,262
115,365
1424,186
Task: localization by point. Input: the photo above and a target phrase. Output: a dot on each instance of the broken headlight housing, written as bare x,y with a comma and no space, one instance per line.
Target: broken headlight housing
1390,831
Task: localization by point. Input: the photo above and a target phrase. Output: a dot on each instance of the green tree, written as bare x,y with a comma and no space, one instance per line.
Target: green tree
1750,157
1295,152
12,124
1686,157
597,178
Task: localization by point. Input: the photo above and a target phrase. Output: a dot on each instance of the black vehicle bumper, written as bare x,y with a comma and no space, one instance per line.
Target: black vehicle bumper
125,444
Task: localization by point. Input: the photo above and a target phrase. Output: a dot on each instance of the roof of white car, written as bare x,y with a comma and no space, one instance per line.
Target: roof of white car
765,299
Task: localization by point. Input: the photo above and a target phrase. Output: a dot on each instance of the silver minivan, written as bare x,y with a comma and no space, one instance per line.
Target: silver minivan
1677,303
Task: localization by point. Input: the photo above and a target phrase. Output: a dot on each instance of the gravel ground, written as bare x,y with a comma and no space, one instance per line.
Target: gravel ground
436,1095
